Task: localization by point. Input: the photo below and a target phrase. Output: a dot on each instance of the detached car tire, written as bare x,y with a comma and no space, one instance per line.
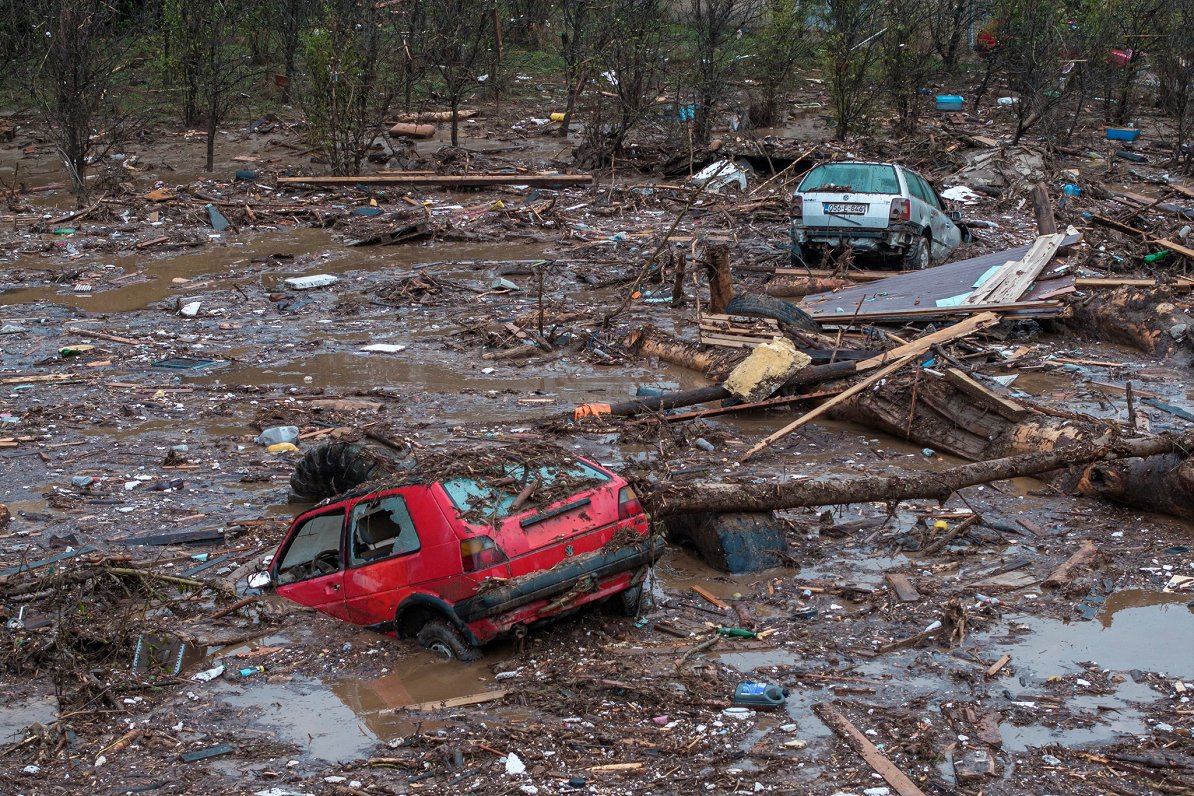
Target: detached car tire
918,255
330,470
442,637
755,305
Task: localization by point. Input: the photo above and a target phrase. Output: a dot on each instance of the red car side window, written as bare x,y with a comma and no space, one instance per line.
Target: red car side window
314,550
382,529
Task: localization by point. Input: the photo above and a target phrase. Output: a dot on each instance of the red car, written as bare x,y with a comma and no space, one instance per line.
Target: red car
471,553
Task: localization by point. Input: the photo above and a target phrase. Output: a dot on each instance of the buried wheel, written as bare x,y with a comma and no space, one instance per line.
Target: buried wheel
918,255
628,601
445,640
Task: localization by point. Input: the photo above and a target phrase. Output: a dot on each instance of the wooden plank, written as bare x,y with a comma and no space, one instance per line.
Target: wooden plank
1014,279
832,402
902,587
711,598
40,378
897,779
922,344
712,317
456,702
450,180
1015,308
853,276
980,392
994,668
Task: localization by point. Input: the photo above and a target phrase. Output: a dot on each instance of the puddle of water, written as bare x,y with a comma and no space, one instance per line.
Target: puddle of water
344,719
1125,636
1114,716
15,717
217,260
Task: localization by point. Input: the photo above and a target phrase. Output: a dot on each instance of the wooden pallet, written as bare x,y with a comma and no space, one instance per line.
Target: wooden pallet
731,331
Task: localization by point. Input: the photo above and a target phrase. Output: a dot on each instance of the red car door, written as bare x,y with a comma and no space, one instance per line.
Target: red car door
398,541
310,566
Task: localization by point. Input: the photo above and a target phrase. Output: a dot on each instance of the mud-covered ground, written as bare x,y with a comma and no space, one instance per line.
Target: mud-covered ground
142,352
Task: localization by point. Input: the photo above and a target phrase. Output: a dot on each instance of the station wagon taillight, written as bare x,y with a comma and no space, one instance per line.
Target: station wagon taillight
480,552
901,210
628,504
797,207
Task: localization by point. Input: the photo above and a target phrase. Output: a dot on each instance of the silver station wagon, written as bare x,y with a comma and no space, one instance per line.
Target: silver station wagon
877,208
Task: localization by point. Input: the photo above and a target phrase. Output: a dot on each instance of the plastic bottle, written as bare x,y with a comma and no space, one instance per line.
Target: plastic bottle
249,671
760,695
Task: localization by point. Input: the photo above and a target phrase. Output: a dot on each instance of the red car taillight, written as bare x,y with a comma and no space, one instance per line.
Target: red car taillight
480,552
797,213
901,210
628,504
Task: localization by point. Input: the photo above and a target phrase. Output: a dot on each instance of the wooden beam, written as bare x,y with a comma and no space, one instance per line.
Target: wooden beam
922,344
448,180
897,779
1042,207
832,402
1004,406
1014,308
456,702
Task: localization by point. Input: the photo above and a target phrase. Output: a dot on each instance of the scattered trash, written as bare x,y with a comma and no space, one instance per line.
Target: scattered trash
310,282
278,434
719,175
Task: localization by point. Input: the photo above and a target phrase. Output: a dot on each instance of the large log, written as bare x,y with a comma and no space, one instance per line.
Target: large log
1163,484
716,363
1148,320
799,287
670,499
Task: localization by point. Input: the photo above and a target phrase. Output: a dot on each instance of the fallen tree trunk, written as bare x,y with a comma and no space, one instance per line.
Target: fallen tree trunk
1164,484
1147,320
670,499
799,287
716,363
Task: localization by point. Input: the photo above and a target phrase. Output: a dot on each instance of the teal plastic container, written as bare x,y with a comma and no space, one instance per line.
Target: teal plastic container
949,102
760,695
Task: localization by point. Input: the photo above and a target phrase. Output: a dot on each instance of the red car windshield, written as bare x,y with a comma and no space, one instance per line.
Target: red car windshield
494,500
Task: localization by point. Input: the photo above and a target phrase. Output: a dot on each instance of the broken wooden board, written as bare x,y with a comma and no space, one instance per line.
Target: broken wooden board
985,396
456,702
923,344
54,559
1014,278
902,587
178,537
475,180
736,332
897,779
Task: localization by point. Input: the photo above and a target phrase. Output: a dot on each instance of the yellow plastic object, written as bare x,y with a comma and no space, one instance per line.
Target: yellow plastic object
941,525
557,117
282,447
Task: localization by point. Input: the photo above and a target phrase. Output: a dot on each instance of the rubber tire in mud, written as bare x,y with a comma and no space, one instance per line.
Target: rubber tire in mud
918,256
759,306
441,636
628,601
330,470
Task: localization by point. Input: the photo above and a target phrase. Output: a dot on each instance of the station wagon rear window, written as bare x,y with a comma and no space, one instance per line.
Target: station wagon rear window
851,178
489,501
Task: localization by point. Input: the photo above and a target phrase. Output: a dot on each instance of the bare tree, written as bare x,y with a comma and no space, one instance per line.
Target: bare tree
852,28
349,77
1175,71
1030,51
578,36
292,19
81,49
715,27
907,59
779,46
948,22
458,34
629,60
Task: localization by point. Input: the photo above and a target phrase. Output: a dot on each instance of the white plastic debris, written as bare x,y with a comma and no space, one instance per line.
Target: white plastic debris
190,309
208,675
514,765
310,282
960,193
720,174
384,348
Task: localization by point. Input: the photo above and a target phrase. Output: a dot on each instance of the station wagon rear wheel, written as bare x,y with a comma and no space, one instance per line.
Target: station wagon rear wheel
445,639
918,255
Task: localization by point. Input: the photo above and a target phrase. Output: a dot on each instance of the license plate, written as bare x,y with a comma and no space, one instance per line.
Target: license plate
845,209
